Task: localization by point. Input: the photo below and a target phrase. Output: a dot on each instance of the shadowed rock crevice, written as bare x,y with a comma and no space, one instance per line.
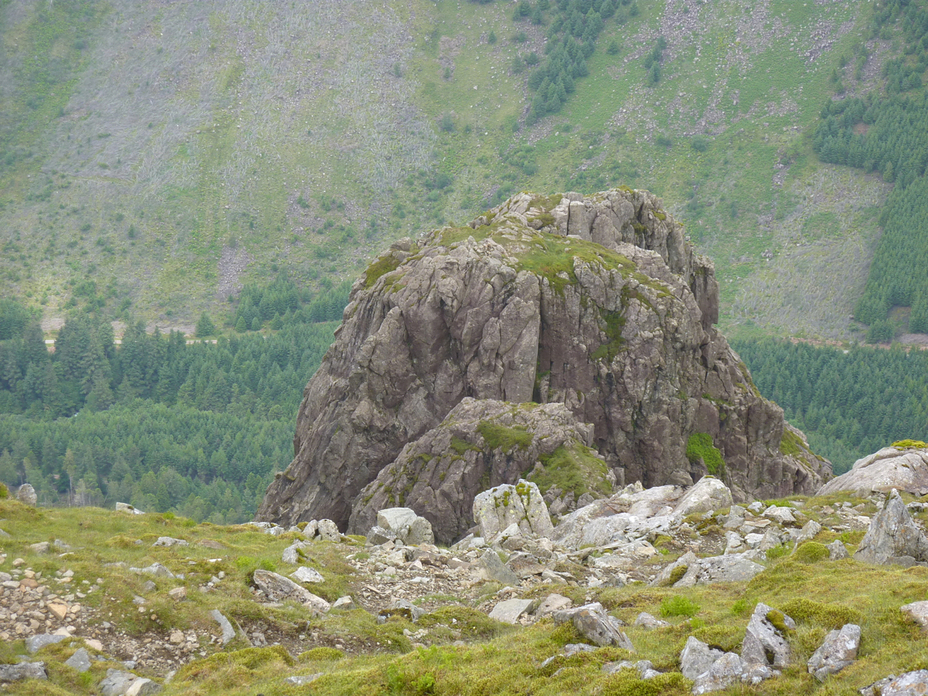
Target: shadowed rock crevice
597,303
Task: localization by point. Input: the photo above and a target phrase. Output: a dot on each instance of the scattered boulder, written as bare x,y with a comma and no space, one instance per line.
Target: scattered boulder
593,623
128,509
80,660
156,569
837,652
644,668
510,610
277,588
734,567
23,670
708,495
837,551
918,612
291,554
908,684
304,574
551,604
893,537
724,672
26,494
170,541
404,524
37,642
646,620
697,657
522,504
495,570
228,633
765,642
903,469
327,530
120,683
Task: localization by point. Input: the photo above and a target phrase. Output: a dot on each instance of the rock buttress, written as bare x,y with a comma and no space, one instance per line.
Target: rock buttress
597,303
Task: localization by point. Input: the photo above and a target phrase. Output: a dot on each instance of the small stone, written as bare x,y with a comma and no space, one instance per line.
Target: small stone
128,509
80,660
303,680
837,550
345,603
57,609
228,633
918,612
170,541
304,574
178,593
552,603
646,620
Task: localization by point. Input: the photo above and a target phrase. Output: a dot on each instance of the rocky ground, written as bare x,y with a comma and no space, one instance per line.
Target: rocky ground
397,591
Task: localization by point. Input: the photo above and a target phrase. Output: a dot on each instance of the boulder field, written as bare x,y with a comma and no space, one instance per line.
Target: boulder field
589,319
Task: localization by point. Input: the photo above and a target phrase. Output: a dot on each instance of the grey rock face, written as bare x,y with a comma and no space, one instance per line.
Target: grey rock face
26,494
838,650
893,537
23,670
764,644
522,505
593,623
480,443
617,325
882,471
697,657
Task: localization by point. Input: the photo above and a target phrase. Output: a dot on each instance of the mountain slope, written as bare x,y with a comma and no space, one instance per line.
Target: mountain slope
180,149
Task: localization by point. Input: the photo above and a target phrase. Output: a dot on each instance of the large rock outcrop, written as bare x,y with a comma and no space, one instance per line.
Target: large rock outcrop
596,303
902,467
480,444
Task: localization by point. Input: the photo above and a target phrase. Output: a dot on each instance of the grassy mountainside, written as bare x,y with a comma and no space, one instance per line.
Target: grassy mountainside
155,156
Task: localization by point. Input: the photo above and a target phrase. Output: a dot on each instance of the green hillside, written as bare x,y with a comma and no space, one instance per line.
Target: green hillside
155,157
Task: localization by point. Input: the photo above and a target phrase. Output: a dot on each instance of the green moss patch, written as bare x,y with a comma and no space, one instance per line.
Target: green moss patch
385,264
573,468
700,448
500,437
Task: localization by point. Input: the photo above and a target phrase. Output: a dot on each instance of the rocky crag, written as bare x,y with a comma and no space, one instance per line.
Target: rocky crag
596,303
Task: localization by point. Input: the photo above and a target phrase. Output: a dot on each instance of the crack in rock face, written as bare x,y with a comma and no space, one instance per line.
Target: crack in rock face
595,303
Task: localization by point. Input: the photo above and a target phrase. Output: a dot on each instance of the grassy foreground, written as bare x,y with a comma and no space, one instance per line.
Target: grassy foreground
454,649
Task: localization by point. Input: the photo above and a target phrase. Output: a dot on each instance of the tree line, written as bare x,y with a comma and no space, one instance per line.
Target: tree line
196,428
888,133
850,403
